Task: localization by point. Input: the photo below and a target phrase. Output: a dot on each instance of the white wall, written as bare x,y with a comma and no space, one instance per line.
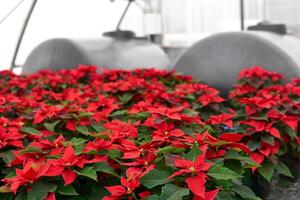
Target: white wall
287,11
61,18
10,28
186,21
183,21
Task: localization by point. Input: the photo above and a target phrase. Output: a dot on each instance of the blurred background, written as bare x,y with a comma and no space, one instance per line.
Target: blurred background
176,24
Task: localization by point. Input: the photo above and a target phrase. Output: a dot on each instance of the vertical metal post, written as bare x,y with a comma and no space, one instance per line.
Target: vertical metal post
26,21
123,15
265,10
242,14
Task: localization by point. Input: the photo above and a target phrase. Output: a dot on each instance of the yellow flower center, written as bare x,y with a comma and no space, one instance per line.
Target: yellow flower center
129,190
192,169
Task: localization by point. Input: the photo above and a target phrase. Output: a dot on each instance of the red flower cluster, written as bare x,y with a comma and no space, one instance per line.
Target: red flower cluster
141,134
268,115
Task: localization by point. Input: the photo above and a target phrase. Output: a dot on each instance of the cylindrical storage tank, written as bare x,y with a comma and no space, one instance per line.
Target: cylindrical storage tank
106,52
218,59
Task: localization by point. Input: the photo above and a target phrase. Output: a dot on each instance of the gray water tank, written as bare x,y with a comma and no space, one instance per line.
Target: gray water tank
106,52
218,59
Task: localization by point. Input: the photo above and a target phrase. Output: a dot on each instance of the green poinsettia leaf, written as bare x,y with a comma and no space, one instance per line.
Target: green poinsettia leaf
170,149
153,197
245,192
268,139
78,144
224,195
234,165
31,149
154,178
7,196
98,128
85,114
97,193
105,168
173,192
124,98
234,155
77,141
267,170
83,129
283,169
292,133
190,97
30,130
113,154
189,112
67,190
40,190
222,173
21,196
7,156
193,154
51,126
253,145
89,172
118,113
142,115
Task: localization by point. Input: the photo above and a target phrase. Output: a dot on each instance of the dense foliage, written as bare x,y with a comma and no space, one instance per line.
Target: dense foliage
143,134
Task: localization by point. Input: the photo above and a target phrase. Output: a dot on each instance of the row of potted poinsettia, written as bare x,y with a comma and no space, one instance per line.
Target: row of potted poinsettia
143,134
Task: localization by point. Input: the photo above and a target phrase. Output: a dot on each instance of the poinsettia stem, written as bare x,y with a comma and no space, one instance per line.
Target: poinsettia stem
134,196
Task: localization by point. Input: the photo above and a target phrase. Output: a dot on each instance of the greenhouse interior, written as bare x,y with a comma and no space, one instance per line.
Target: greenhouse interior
150,100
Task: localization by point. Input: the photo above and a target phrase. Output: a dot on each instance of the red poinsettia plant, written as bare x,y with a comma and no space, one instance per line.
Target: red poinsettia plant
142,134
